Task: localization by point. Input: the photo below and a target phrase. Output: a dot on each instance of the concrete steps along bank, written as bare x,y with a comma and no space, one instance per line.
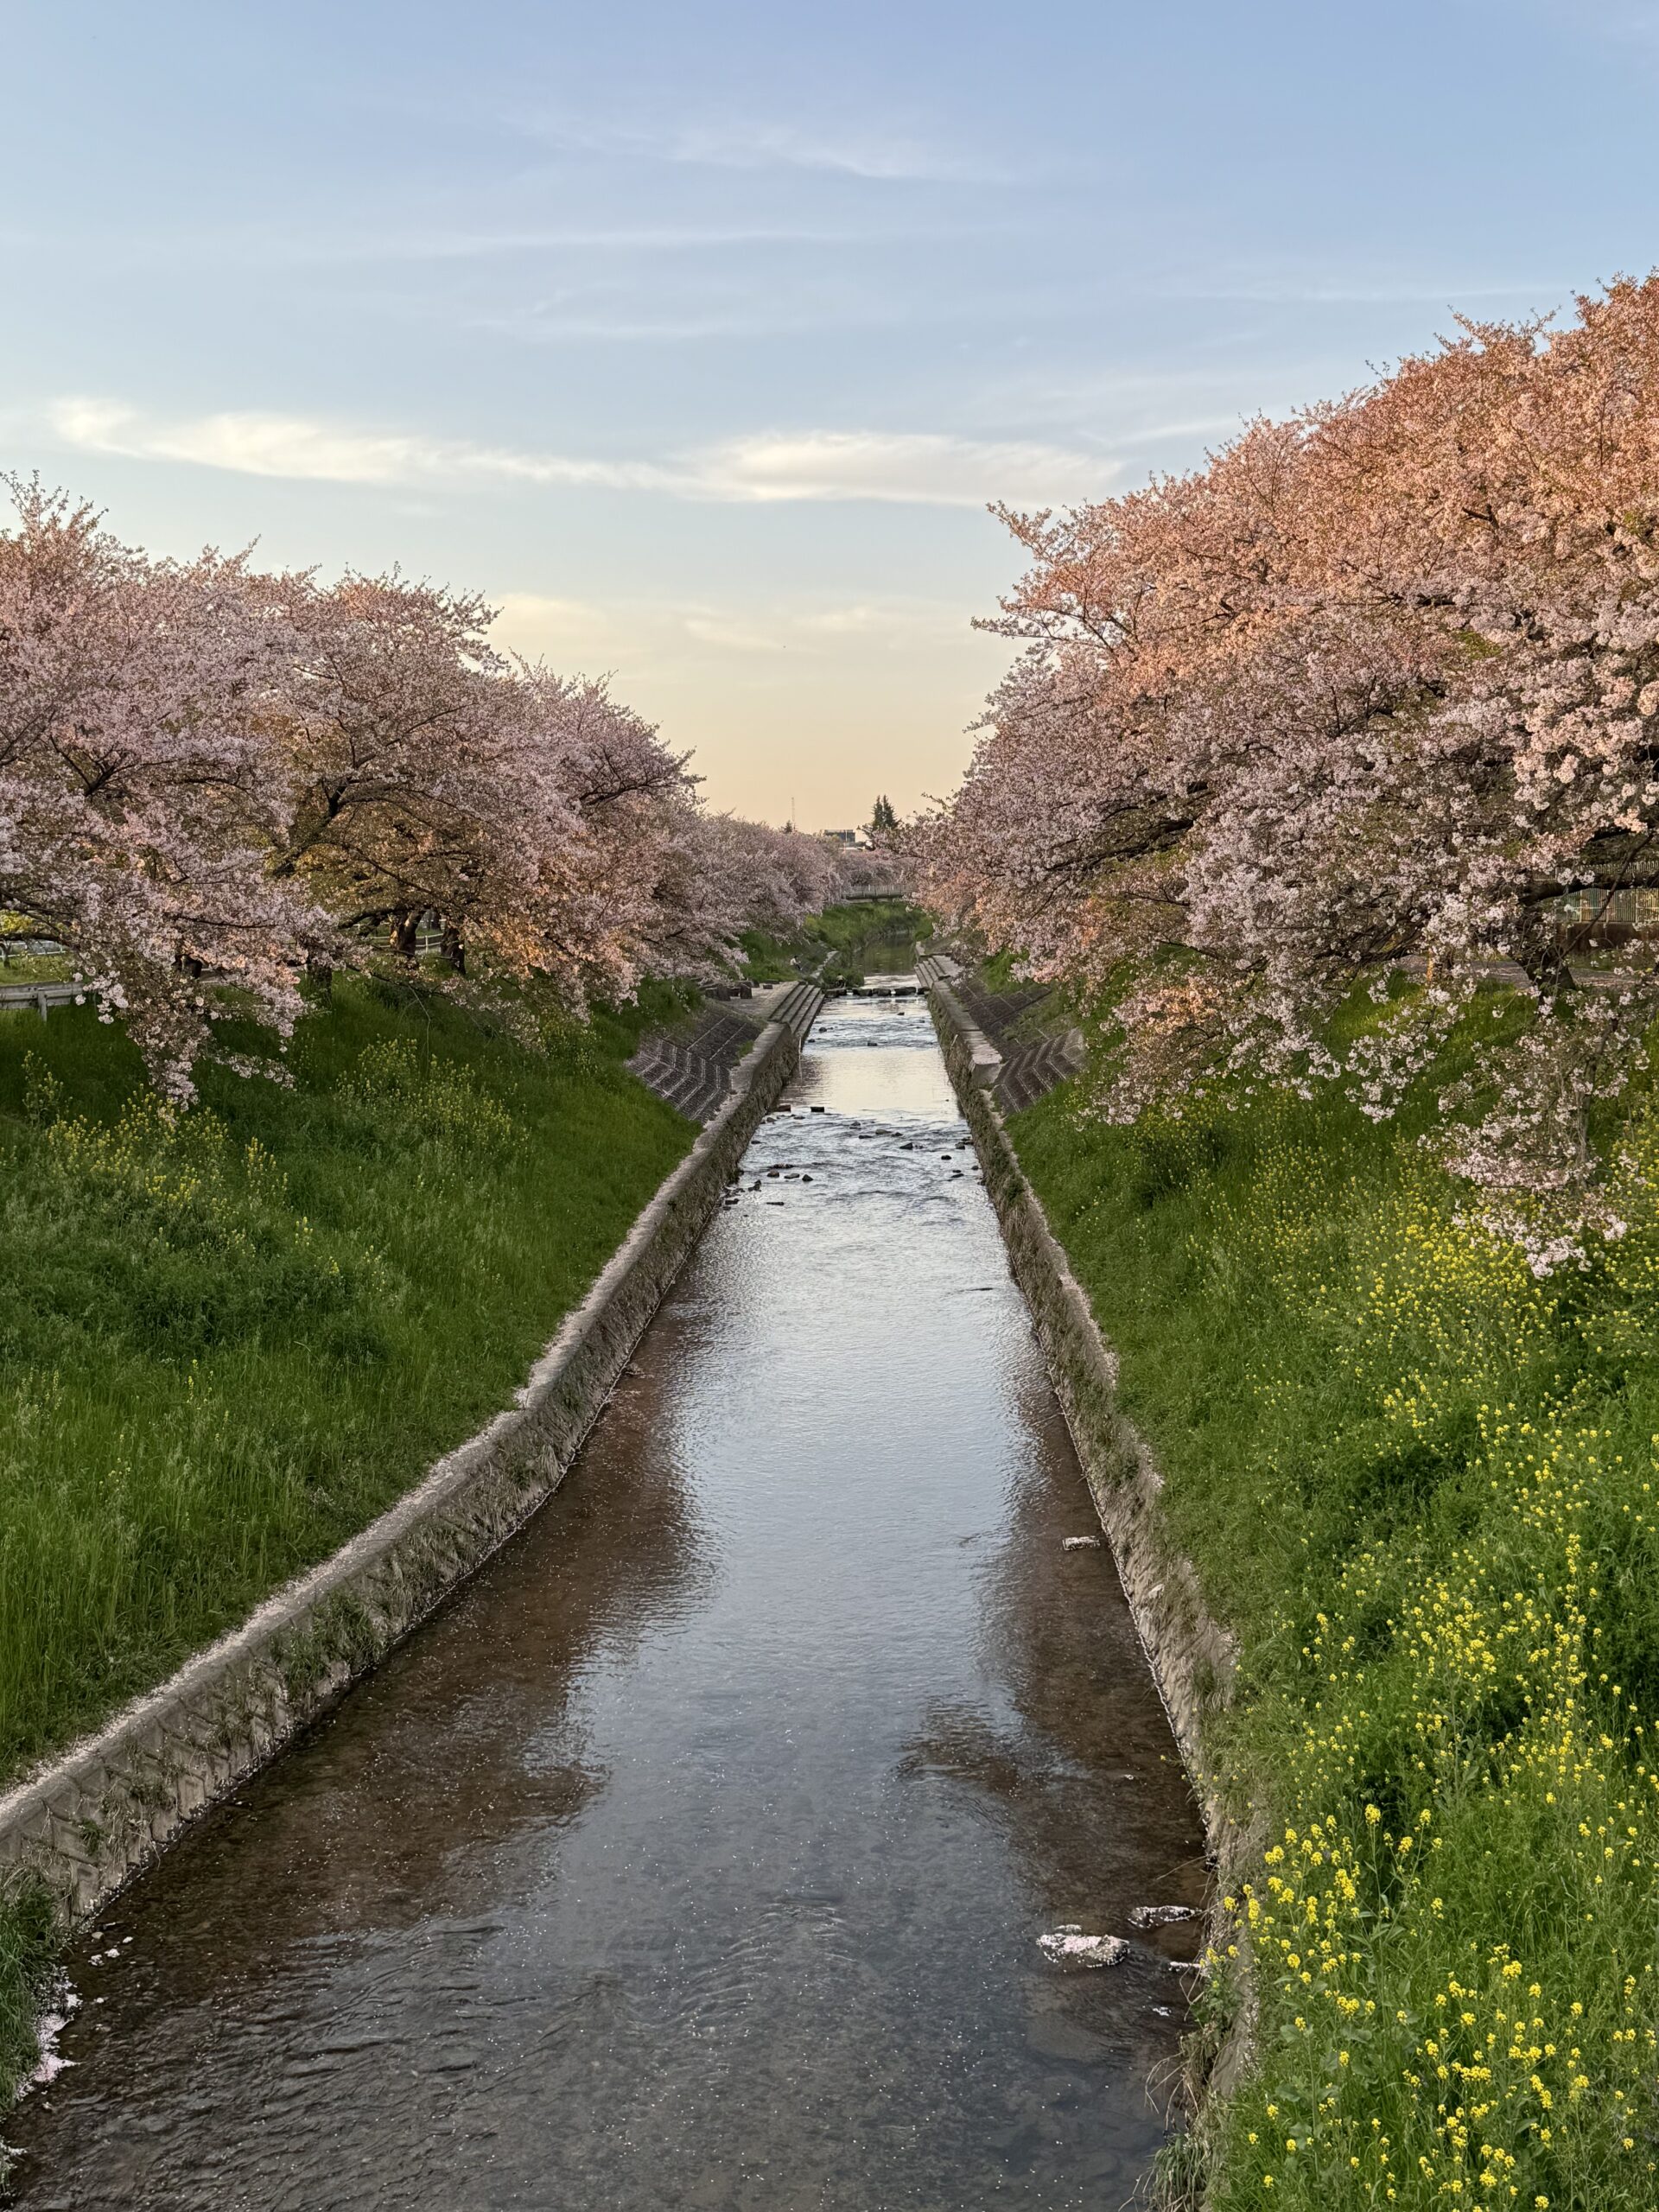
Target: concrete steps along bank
693,1067
86,1822
1029,1066
1192,1656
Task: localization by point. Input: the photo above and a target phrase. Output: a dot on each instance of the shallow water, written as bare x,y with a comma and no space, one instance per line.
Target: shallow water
697,1853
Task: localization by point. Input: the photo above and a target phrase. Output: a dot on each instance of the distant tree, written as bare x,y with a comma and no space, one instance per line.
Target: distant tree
883,819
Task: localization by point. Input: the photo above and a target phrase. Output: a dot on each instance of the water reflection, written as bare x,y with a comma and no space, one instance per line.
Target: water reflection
697,1854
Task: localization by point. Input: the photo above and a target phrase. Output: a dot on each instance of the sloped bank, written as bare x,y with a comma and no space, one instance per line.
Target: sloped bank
1418,1483
80,1827
1190,1656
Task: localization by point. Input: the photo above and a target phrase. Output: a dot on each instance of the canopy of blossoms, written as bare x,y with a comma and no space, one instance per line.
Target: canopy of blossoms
213,780
1354,705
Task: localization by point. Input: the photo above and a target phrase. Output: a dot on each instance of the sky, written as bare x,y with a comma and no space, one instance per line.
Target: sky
701,336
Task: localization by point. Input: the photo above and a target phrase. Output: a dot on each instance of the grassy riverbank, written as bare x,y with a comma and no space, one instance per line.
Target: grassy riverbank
863,933
1420,1487
229,1339
870,930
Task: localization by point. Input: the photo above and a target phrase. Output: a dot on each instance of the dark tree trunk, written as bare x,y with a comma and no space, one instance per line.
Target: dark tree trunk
454,951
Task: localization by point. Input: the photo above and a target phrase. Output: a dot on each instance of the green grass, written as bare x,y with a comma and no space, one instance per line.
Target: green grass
34,968
867,933
228,1339
1420,1486
17,966
852,930
1001,972
769,959
875,933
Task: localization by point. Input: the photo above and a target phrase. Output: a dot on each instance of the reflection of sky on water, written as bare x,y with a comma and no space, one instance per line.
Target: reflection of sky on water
697,1854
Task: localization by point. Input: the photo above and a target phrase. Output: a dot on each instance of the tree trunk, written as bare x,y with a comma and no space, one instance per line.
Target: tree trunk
454,951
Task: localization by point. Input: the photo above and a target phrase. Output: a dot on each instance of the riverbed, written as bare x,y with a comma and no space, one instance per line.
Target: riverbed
700,1851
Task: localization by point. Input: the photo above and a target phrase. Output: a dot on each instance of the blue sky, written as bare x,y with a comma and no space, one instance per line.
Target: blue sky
699,335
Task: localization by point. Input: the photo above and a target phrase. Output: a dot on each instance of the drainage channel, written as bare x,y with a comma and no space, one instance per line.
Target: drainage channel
703,1851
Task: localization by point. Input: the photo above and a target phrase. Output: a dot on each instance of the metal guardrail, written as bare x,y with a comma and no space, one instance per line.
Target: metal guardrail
41,996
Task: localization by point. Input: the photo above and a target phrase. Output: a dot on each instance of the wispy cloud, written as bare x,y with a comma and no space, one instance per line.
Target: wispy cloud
889,159
292,446
330,244
888,155
656,319
674,633
892,625
539,622
1309,288
906,467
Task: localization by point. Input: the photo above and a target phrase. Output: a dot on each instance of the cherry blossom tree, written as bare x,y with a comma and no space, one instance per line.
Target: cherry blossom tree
135,804
1377,685
213,779
657,902
429,776
543,825
389,715
770,879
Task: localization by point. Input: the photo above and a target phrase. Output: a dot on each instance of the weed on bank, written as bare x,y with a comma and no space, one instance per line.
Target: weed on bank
1419,1485
229,1338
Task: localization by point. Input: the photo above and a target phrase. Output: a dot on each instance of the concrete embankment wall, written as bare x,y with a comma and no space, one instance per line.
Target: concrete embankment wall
1190,1654
89,1819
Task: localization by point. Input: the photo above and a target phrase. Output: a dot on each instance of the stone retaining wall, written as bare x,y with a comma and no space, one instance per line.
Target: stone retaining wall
89,1819
1192,1656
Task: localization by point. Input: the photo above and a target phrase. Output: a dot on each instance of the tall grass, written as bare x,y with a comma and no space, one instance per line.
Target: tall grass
229,1338
1420,1486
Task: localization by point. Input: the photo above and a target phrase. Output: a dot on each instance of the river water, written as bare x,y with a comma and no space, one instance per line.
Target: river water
697,1854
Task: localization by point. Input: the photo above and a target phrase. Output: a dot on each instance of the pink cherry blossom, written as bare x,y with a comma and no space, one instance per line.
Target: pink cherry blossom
214,779
1379,683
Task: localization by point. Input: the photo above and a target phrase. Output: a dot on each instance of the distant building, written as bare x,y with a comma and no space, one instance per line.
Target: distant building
859,837
1612,915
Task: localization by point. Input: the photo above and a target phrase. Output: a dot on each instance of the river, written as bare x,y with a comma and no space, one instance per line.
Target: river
697,1853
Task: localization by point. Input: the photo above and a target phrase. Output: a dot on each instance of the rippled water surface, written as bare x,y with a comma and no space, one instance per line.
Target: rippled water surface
697,1854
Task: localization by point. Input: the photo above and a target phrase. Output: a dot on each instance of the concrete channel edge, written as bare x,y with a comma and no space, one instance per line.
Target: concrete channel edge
1192,1656
87,1821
